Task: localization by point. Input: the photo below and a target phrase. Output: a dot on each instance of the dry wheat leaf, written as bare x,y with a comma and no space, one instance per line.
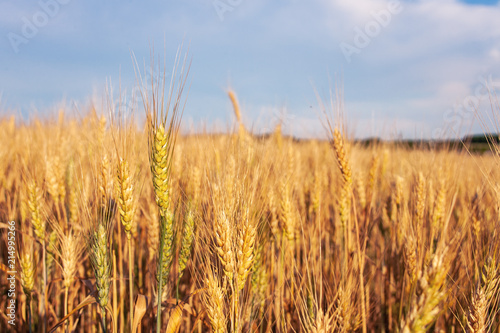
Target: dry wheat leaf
87,301
141,305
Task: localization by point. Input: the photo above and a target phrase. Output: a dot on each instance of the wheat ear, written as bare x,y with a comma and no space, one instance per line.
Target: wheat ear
166,247
237,113
187,241
244,253
346,190
213,299
482,297
286,215
224,241
101,264
126,206
28,271
39,226
431,291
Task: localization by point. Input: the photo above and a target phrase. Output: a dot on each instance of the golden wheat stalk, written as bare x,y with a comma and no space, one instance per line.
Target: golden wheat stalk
127,212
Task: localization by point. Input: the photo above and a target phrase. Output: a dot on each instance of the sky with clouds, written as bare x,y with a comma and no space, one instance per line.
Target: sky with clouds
405,68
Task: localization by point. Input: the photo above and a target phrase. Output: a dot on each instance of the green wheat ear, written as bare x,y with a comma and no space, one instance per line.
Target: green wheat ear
161,159
187,240
166,246
100,259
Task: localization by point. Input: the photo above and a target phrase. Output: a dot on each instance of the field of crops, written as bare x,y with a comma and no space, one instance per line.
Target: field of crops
108,226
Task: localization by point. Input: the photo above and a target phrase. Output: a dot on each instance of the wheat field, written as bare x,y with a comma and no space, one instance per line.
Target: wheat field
128,228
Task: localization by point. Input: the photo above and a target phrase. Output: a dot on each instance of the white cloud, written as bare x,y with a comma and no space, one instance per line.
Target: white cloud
494,54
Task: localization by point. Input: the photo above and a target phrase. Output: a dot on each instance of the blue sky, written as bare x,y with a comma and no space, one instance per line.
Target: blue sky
407,68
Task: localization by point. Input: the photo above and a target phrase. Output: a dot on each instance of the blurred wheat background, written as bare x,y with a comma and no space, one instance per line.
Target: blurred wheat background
122,228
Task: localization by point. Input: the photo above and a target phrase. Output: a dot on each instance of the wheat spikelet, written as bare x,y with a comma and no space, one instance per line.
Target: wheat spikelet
346,188
61,182
236,106
490,278
345,317
244,252
345,205
399,190
187,240
53,177
410,256
286,214
482,297
51,249
223,242
34,206
317,190
97,243
439,208
160,166
339,147
104,180
372,176
125,188
320,323
431,291
213,298
167,245
360,191
28,270
476,320
237,113
23,203
125,197
70,251
260,276
420,204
